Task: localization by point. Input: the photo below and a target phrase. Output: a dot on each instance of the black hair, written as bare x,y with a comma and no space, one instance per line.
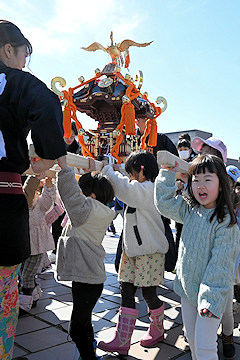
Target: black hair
11,34
184,136
213,164
142,160
183,143
97,184
74,127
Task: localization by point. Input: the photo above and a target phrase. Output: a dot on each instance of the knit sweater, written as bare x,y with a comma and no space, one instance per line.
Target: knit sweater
143,229
80,254
207,251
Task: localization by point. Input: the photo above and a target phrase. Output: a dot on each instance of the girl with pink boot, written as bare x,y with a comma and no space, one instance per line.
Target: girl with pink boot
144,249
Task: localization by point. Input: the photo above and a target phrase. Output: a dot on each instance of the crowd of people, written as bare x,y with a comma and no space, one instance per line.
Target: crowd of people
70,218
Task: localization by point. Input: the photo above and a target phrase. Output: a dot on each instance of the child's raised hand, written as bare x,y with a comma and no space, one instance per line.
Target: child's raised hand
105,163
207,313
171,168
48,182
116,167
92,165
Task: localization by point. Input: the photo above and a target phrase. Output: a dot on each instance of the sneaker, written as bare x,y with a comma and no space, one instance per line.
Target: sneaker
37,293
52,258
228,346
45,269
25,302
236,308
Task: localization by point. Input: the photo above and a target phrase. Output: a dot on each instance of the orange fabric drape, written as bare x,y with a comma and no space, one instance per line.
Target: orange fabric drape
151,127
69,113
127,119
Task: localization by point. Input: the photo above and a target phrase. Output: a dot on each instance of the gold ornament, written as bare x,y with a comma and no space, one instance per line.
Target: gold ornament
145,93
127,77
125,99
81,79
116,133
81,132
118,69
114,50
59,80
138,79
97,71
162,101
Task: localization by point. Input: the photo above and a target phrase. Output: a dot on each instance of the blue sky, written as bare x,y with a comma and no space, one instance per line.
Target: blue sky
194,61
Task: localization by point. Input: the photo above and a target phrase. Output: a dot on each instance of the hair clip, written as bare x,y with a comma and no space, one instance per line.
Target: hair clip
142,167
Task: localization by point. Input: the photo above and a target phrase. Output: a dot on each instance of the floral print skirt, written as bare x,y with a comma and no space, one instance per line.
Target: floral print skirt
142,271
8,309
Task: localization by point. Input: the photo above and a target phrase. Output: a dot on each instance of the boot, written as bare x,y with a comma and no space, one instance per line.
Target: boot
120,342
228,346
155,332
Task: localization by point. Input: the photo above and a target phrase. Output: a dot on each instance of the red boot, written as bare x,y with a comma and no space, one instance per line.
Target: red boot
155,332
120,342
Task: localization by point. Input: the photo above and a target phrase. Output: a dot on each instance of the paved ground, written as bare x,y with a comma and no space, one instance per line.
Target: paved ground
42,333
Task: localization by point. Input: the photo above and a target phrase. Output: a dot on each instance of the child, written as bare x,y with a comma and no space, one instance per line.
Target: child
233,174
185,153
212,146
144,249
80,254
41,239
208,248
236,305
184,150
217,147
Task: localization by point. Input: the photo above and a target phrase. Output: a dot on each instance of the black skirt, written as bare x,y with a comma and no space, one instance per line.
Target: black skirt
14,229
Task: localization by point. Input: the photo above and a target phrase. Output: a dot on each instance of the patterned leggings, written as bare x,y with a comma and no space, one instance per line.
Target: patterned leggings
8,309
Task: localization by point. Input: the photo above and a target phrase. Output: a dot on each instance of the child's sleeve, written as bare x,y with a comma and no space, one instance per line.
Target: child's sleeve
131,193
47,198
218,277
78,207
29,188
165,199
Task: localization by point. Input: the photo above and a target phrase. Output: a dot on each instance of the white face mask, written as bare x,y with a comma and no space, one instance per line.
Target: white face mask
184,154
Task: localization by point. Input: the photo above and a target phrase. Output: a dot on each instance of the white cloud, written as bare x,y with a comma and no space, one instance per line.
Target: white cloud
79,23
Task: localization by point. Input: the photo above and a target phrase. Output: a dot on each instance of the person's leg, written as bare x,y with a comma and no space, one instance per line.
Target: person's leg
189,315
8,309
128,291
155,332
29,271
227,328
151,298
57,230
85,297
206,337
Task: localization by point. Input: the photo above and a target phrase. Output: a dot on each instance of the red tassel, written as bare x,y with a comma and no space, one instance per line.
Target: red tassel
129,116
152,141
67,122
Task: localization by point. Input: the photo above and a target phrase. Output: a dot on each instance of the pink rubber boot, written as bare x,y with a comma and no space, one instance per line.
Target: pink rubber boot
155,332
120,342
